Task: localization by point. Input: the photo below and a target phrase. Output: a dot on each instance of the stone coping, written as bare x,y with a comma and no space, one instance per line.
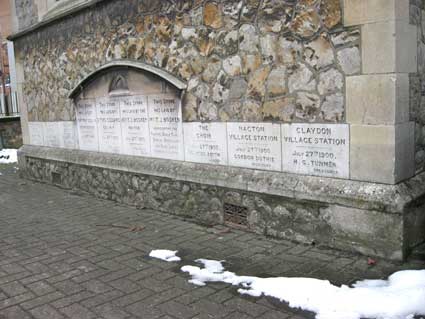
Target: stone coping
362,195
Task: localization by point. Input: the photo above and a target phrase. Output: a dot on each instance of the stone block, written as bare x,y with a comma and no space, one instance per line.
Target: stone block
389,47
382,153
366,231
377,99
358,12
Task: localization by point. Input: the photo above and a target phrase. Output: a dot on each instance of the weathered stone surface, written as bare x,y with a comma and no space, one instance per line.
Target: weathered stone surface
231,12
249,10
275,16
211,71
248,39
345,37
268,48
230,111
330,81
288,50
276,82
251,111
238,88
282,109
227,43
212,15
319,53
333,107
220,93
257,83
307,106
250,63
331,12
205,41
301,78
233,65
306,23
207,111
349,60
190,107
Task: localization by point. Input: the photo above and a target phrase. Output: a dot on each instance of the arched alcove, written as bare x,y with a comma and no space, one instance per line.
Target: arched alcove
142,78
130,108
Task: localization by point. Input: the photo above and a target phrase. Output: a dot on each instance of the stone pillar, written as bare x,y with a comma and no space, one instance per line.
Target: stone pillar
377,101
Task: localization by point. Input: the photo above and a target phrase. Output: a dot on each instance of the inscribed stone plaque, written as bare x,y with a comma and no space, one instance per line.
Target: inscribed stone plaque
36,133
165,127
69,133
205,143
254,145
135,126
109,124
316,149
52,134
87,125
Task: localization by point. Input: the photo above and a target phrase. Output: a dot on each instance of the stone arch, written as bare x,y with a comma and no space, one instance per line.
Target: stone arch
131,65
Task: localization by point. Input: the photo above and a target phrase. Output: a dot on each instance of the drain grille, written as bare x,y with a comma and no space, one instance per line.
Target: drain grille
235,215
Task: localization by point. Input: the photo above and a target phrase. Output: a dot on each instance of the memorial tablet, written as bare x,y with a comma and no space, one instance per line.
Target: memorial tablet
254,145
205,143
87,125
52,134
36,133
109,124
165,127
316,149
135,126
69,133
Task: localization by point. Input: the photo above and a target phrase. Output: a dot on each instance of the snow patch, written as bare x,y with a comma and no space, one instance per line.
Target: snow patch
8,155
400,297
166,255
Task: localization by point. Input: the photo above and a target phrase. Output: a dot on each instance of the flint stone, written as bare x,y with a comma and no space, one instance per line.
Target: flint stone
282,109
333,107
248,39
232,65
349,60
319,53
256,83
301,78
276,82
212,15
330,81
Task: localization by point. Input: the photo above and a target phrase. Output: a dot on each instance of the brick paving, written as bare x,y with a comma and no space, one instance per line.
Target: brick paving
58,261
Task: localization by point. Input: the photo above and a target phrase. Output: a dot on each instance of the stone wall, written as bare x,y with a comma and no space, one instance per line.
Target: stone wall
252,60
11,133
324,217
27,13
417,83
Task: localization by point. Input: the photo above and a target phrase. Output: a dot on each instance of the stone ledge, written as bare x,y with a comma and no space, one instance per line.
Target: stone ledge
355,194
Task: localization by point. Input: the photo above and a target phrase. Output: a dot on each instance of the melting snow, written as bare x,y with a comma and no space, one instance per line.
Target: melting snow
166,255
400,297
8,156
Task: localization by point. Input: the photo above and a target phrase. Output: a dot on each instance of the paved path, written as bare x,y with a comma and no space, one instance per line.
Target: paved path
56,261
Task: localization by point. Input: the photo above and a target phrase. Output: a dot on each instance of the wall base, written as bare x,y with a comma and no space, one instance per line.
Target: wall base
373,219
